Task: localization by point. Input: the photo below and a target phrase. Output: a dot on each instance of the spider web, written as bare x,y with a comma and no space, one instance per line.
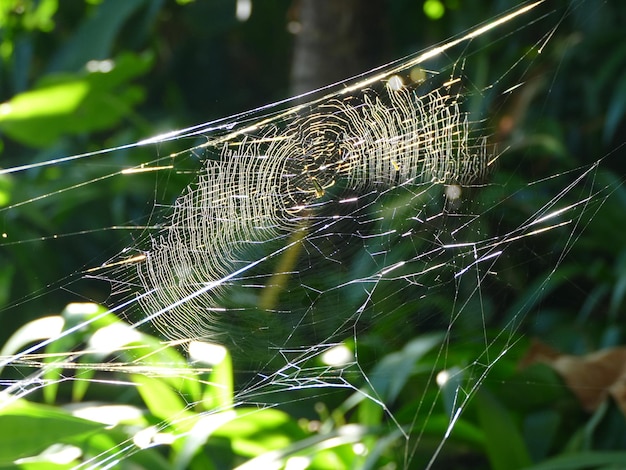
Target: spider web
311,225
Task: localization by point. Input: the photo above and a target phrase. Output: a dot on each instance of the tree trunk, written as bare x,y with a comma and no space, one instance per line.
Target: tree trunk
335,39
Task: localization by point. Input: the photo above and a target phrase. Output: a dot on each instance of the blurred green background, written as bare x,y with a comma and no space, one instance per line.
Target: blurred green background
81,76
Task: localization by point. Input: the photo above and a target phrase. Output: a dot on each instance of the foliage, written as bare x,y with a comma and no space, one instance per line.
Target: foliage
510,429
78,77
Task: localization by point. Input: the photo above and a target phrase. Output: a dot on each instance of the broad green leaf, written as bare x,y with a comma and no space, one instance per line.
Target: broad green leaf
110,445
221,383
49,101
89,315
6,281
27,429
95,36
505,447
160,358
6,187
74,103
219,390
256,431
389,377
463,431
161,400
197,437
540,429
617,109
288,440
36,330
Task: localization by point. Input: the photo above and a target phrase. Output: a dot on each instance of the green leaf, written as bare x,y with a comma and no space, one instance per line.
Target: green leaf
6,280
27,429
390,376
540,429
219,390
582,460
74,314
95,36
6,187
36,330
113,444
505,447
463,431
35,119
45,102
156,356
74,103
197,437
161,400
258,431
616,111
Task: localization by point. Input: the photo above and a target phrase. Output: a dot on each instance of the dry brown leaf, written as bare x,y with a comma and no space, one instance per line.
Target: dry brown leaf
591,378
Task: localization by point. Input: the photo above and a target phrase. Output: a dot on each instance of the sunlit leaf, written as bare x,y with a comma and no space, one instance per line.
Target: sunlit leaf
27,429
74,103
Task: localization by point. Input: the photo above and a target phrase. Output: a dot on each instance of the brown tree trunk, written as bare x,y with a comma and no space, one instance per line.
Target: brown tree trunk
335,39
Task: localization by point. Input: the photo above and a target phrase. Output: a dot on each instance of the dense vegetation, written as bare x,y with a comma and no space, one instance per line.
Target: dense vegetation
181,63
